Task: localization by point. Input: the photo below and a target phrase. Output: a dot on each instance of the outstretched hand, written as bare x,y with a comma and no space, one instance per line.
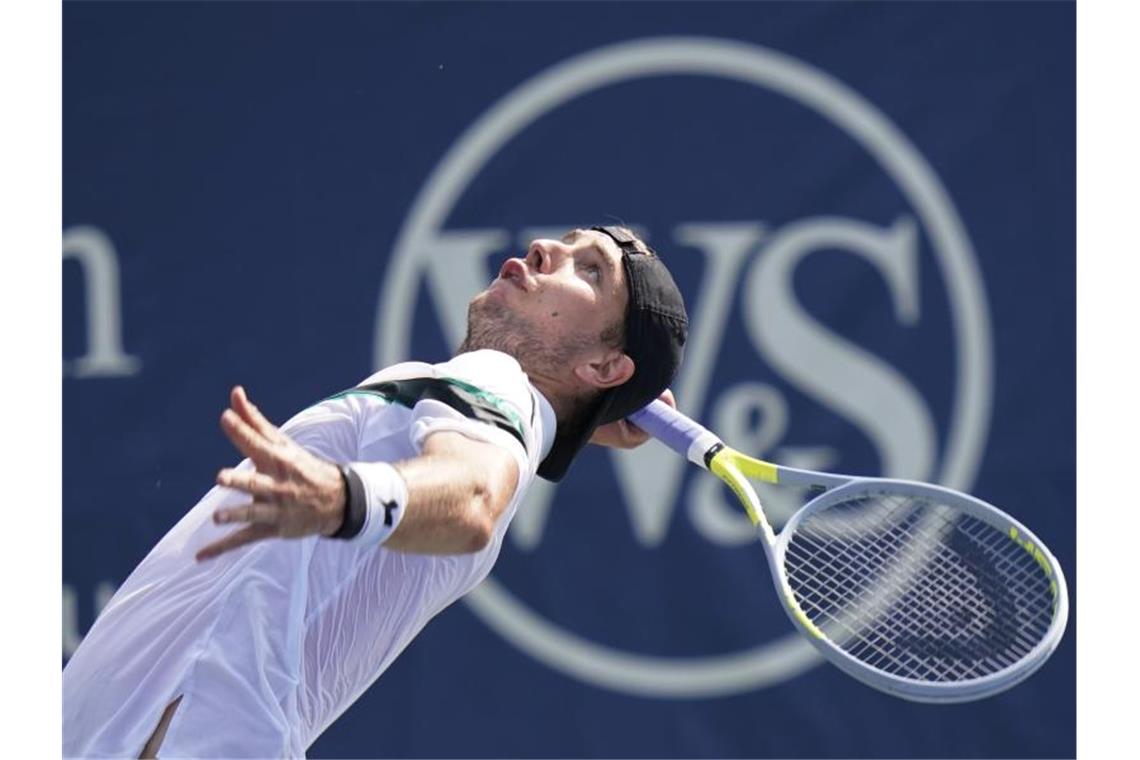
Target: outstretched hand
294,493
623,434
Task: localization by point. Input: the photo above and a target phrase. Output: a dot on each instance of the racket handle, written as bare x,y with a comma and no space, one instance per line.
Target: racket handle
687,437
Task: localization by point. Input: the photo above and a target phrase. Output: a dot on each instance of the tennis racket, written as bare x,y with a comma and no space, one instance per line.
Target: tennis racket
917,590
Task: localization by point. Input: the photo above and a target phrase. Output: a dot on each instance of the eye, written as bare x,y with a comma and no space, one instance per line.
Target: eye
593,271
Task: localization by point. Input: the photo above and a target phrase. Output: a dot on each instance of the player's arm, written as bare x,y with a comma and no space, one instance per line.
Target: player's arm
455,490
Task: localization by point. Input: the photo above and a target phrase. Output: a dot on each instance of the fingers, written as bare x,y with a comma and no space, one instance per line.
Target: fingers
246,535
255,512
253,434
252,416
631,434
257,438
620,434
637,434
256,484
248,441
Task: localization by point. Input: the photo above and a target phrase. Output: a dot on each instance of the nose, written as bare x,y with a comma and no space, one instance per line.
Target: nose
544,256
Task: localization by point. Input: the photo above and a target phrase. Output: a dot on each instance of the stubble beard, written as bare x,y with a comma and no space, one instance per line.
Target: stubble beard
496,327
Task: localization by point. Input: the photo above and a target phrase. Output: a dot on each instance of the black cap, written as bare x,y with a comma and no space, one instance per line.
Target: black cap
656,326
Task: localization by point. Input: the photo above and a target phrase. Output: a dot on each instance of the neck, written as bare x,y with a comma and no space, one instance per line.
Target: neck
562,399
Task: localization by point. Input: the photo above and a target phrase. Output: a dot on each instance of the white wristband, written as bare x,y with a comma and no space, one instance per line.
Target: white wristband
386,498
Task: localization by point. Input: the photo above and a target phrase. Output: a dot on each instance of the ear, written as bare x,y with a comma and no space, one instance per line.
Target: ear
613,368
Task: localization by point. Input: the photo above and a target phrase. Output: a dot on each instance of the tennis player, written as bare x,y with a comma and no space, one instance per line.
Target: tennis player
223,642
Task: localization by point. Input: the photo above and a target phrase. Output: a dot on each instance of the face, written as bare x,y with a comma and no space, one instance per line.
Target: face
551,309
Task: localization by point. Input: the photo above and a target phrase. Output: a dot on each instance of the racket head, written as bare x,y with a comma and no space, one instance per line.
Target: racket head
921,591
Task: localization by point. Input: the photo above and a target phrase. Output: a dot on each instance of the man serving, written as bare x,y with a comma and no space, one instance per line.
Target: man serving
225,643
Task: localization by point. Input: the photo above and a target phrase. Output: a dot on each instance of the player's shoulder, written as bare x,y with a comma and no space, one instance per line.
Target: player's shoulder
492,376
400,371
497,382
483,366
486,385
490,373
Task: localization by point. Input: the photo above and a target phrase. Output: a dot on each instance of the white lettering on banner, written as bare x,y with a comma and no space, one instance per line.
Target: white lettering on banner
840,376
72,636
717,517
651,500
97,257
457,268
872,395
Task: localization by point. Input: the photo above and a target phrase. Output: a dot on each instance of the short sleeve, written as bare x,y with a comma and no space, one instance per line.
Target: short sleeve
495,375
430,416
484,395
496,382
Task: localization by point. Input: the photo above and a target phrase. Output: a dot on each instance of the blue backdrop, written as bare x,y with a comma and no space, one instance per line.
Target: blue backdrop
290,195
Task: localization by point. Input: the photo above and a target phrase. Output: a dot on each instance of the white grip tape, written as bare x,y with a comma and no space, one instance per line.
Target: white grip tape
700,446
386,497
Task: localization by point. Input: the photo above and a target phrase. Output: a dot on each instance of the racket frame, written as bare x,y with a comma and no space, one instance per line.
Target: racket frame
737,470
911,688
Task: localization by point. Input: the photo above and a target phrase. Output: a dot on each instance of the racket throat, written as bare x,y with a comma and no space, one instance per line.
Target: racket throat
799,616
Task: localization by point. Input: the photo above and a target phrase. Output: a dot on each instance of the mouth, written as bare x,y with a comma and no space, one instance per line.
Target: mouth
514,271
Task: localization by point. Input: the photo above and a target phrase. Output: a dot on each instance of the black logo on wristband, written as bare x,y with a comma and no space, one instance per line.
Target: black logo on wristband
389,508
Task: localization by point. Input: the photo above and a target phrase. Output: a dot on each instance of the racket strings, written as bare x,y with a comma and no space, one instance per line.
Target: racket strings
920,636
852,596
881,651
882,648
918,589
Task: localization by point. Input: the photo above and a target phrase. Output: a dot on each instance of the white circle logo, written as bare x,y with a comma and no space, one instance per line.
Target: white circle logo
902,438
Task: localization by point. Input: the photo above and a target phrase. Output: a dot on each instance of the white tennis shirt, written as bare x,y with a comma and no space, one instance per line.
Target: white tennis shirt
270,643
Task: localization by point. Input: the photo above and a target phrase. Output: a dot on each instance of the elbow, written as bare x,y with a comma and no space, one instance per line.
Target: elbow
481,522
479,535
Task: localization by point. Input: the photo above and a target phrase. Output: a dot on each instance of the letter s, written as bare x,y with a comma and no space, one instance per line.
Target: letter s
840,375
